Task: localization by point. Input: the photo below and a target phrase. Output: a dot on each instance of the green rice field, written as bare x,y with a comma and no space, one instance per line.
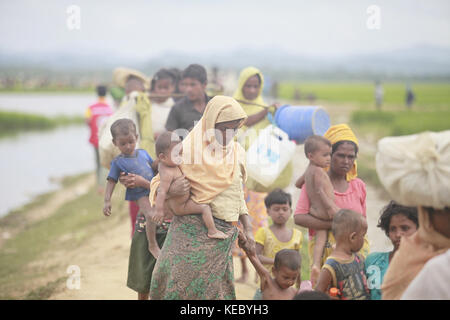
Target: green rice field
12,122
428,95
430,110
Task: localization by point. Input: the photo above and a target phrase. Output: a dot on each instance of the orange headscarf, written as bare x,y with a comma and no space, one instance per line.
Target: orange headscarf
342,132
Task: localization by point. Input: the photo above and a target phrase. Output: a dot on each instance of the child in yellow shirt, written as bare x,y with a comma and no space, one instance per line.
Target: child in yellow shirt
278,236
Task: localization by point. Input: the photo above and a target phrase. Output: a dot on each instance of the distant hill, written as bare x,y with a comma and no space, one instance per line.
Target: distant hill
422,61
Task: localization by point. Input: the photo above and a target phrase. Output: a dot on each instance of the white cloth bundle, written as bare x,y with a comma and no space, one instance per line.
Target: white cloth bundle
415,169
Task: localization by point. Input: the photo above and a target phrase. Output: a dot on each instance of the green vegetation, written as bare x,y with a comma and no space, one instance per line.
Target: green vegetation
428,95
45,292
305,271
49,90
354,102
71,224
13,122
397,123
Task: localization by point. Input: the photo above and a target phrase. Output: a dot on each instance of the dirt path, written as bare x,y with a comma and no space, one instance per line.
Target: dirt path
103,260
103,263
43,211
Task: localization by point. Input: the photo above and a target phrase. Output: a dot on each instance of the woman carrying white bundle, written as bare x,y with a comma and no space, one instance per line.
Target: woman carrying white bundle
415,170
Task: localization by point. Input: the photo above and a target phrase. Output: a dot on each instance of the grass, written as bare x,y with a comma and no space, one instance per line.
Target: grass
12,122
80,219
45,292
428,95
397,123
49,90
305,269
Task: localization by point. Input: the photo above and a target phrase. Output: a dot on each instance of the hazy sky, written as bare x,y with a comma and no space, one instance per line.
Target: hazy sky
146,28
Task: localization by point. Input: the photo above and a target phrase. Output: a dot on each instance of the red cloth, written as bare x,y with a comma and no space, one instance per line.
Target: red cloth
134,209
354,198
97,113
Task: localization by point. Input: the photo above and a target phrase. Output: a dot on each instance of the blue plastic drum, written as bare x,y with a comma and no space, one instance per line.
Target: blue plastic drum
301,122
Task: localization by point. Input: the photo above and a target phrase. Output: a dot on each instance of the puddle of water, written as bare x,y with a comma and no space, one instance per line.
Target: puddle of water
31,161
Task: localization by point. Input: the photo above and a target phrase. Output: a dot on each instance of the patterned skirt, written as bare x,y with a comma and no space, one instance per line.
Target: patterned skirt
192,266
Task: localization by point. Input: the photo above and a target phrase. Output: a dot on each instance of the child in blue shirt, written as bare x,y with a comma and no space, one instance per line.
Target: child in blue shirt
131,160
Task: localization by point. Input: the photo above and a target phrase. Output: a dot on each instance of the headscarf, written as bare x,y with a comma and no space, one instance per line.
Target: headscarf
251,109
247,137
342,132
415,170
210,176
121,74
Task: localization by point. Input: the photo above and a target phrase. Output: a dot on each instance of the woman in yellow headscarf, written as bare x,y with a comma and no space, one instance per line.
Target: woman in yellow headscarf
249,95
349,190
191,265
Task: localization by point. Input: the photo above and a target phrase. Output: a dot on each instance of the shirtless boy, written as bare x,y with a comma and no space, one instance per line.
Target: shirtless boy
286,270
320,193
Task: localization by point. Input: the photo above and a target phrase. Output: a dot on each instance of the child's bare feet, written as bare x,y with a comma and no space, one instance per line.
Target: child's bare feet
154,250
217,235
315,271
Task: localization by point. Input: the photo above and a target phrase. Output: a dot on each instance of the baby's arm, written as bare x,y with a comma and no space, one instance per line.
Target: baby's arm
110,184
300,181
154,165
165,181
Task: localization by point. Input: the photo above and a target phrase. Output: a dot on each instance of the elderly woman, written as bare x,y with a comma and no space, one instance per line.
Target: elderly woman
349,191
396,221
191,265
415,170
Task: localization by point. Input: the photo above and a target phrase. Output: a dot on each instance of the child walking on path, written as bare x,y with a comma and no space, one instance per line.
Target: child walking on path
270,240
141,262
169,151
344,268
95,115
136,161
